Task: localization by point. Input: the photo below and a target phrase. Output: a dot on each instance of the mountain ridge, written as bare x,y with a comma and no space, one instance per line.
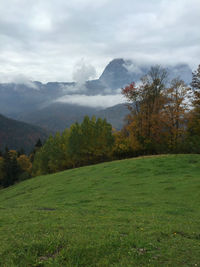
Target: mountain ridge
22,101
16,134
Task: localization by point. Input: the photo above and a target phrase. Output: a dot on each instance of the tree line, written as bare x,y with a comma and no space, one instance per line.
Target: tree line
164,118
15,165
164,115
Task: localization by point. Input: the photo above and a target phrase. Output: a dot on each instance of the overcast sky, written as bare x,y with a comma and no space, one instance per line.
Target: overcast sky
50,40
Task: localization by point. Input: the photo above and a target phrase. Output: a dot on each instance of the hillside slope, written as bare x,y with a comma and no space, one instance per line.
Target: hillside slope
135,212
16,134
58,116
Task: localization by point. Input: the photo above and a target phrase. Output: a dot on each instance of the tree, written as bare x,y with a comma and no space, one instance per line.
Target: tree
24,163
104,140
175,113
37,147
196,80
11,169
85,143
53,155
145,122
38,143
122,146
194,115
91,141
2,174
194,123
42,157
20,152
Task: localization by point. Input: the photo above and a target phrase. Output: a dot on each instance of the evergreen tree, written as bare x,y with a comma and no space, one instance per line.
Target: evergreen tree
38,143
11,169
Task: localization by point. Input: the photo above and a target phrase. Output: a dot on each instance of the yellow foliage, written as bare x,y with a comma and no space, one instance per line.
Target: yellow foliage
24,163
13,154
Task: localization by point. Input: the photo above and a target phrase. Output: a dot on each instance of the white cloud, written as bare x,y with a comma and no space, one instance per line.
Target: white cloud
83,72
18,79
76,88
97,101
131,67
45,39
41,22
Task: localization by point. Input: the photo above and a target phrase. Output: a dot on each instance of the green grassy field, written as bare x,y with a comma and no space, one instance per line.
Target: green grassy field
135,212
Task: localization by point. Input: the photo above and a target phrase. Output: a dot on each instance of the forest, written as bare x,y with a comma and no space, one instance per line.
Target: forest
164,118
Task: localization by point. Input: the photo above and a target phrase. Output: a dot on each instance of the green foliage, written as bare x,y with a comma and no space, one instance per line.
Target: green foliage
85,143
91,141
52,156
122,146
10,169
135,212
2,174
14,167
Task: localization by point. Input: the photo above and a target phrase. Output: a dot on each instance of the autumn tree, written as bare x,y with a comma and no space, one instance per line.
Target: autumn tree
122,146
145,122
175,113
25,166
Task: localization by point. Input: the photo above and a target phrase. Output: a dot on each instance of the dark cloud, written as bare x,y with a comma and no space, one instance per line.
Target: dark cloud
44,39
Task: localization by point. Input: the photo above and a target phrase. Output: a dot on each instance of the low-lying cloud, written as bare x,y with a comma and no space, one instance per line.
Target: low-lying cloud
73,89
83,72
132,67
18,79
97,101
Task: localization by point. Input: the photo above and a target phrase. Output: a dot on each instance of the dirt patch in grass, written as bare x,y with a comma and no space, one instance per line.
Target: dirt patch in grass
46,208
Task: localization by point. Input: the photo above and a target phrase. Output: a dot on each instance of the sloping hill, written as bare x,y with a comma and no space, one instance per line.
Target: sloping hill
135,212
59,116
115,115
16,134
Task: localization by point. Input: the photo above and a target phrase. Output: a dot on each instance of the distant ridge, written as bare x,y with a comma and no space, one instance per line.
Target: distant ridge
15,134
35,102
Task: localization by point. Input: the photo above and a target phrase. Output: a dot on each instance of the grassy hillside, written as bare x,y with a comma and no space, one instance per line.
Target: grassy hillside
135,212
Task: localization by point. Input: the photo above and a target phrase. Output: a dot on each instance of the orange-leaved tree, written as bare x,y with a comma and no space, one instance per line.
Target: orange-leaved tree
175,114
145,123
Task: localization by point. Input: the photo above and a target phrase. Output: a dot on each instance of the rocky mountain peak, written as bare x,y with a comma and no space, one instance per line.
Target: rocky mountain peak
115,75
